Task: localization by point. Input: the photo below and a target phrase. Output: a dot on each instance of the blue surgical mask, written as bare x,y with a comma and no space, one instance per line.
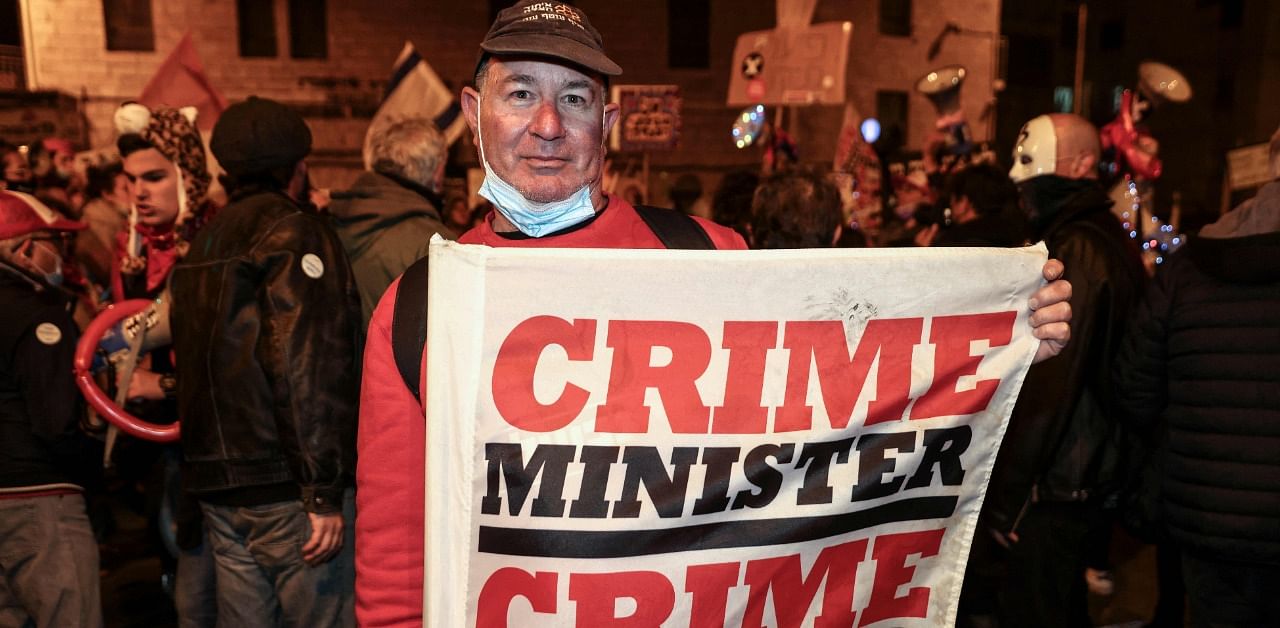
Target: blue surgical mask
54,278
532,218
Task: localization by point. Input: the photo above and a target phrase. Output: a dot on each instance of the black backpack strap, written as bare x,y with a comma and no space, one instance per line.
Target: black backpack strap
676,229
409,325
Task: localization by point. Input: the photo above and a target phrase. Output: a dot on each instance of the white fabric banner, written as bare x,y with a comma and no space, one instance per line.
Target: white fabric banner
714,438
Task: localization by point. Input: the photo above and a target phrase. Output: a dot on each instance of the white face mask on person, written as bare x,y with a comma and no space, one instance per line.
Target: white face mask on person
532,218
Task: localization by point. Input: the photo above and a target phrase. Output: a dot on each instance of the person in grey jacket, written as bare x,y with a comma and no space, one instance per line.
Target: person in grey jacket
387,218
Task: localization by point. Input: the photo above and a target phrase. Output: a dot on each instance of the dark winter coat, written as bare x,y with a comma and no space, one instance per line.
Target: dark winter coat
385,226
1202,362
39,404
1061,440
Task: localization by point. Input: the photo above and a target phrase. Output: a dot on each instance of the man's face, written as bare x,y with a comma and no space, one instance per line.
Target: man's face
39,253
869,218
120,191
541,126
64,164
153,187
15,167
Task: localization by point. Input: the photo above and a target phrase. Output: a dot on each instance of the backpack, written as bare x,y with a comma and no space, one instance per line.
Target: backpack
675,229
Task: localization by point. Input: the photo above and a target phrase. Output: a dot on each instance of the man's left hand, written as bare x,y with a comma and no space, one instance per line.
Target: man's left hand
1051,313
326,538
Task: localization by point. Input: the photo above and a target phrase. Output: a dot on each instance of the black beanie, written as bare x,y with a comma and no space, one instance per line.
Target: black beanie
258,135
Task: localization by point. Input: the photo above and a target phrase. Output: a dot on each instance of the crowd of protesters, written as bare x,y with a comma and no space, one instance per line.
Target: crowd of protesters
1162,411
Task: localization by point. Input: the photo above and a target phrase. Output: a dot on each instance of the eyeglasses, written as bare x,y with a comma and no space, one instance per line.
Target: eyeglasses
57,242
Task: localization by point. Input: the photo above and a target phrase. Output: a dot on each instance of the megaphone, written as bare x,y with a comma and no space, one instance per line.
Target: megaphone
115,339
1160,83
942,88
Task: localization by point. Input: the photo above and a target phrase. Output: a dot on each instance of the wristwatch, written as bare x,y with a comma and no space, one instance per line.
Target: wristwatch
169,385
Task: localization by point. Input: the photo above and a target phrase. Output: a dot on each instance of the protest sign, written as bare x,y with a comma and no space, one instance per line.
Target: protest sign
714,438
1249,166
797,65
648,118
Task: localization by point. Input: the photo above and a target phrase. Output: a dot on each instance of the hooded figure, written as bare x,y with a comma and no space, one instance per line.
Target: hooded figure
1200,367
169,202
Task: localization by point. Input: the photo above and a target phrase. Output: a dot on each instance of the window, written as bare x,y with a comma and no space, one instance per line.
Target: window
308,31
1117,98
689,34
895,18
891,109
1231,14
128,25
1030,61
257,22
12,67
1063,98
9,33
1111,35
1068,26
1224,93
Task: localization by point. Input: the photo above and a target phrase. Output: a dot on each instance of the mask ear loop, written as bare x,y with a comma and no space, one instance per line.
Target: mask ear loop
133,249
183,211
480,129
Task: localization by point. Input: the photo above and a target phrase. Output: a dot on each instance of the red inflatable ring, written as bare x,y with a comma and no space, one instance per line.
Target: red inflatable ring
104,405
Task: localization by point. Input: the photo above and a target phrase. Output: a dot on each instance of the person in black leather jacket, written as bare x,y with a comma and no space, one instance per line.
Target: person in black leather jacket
265,319
1057,461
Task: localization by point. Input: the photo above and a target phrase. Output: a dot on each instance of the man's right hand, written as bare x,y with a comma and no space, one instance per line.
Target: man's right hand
926,236
145,385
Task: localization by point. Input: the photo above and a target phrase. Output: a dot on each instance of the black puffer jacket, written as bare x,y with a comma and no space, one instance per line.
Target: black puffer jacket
1061,441
264,321
1202,360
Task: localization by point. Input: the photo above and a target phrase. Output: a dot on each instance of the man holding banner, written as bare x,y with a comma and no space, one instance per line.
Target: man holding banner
539,118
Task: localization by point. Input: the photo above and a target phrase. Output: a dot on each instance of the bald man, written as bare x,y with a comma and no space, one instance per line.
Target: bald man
1057,463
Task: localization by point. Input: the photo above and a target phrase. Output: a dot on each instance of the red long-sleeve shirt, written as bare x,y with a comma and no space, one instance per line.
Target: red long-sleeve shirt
390,475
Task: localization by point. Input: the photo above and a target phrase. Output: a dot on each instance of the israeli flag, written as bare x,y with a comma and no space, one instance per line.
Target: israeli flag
416,91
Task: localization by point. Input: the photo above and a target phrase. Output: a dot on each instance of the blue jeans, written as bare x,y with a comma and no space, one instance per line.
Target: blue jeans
48,563
195,591
261,577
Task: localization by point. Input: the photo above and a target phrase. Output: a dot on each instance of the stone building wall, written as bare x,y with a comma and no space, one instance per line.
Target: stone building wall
65,48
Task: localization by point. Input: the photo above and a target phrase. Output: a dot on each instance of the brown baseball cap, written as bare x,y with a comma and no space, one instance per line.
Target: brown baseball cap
543,28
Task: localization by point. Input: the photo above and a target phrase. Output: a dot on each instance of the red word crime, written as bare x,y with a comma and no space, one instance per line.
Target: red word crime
594,595
824,343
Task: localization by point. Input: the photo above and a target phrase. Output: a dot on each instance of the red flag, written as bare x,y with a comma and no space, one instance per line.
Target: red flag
180,82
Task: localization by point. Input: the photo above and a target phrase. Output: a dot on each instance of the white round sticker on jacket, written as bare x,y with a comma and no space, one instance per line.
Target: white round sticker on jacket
48,333
312,266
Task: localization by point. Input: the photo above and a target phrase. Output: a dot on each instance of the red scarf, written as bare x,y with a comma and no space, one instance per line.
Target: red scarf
159,247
